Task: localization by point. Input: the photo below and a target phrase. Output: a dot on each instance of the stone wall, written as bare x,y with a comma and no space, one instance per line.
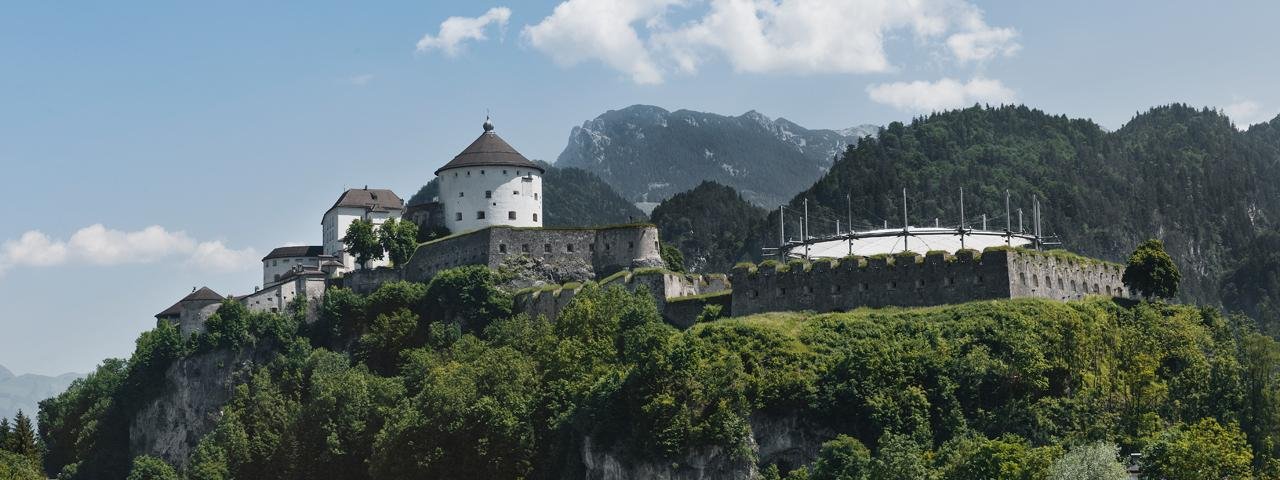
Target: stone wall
595,252
277,298
365,281
912,280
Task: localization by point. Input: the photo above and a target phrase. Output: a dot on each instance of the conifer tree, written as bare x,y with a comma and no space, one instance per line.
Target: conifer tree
22,440
4,433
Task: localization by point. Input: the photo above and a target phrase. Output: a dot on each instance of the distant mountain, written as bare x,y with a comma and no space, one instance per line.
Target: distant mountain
24,392
649,154
571,198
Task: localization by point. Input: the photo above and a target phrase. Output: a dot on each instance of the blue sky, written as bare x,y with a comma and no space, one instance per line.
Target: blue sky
149,147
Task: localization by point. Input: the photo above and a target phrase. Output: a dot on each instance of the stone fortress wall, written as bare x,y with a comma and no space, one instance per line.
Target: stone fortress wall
910,280
582,253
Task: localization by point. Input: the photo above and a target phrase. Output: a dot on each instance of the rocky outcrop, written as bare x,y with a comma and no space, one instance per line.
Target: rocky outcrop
190,403
786,440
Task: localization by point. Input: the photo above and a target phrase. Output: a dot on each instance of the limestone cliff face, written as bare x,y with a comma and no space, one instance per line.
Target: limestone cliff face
785,440
190,404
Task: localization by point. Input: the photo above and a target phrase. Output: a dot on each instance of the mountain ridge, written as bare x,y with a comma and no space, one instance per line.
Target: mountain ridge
743,152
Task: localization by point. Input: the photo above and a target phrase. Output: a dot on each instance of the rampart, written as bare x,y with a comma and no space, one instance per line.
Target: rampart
563,254
910,280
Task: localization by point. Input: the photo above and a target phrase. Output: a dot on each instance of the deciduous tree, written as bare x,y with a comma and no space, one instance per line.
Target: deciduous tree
1151,271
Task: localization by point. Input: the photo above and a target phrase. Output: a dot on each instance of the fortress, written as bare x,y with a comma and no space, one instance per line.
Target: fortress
490,198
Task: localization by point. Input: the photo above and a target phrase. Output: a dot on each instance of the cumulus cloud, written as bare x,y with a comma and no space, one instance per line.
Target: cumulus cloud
603,30
1247,112
921,96
99,245
761,36
455,31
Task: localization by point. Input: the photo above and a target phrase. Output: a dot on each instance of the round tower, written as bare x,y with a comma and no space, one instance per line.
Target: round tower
490,183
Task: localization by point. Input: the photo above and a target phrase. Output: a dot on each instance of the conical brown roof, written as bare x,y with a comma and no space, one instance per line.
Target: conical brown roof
489,150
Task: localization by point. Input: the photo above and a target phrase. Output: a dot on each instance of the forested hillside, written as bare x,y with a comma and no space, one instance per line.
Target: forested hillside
389,386
649,154
1184,175
712,225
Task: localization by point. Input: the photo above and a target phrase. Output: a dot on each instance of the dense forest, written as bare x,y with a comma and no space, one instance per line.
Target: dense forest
712,225
572,198
441,381
1185,175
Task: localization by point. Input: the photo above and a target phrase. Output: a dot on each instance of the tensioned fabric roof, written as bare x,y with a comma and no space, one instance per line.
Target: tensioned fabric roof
920,240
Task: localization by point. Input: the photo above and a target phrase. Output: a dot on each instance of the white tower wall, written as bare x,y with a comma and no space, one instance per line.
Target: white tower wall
496,193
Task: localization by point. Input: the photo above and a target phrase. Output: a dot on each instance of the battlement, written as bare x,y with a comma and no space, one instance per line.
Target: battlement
679,297
910,280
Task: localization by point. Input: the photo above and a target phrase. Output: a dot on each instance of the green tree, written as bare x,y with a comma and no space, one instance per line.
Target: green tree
1006,458
1094,461
146,467
843,458
672,257
5,430
362,242
900,457
1205,450
18,467
399,238
467,296
389,334
1151,272
22,440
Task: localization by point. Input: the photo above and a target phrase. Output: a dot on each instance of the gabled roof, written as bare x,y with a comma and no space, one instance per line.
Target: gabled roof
375,199
490,150
295,251
203,294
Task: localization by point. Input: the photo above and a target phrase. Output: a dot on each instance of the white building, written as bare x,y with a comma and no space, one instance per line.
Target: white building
490,183
281,261
375,205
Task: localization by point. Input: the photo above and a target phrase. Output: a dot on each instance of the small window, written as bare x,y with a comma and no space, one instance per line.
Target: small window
919,284
755,294
808,289
864,287
502,248
480,215
978,280
462,194
524,248
608,246
835,288
482,172
488,194
893,285
948,281
468,173
631,245
535,217
515,192
591,247
782,292
458,216
504,172
568,248
546,248
511,215
535,196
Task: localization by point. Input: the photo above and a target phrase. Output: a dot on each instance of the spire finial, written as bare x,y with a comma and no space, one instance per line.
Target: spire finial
488,124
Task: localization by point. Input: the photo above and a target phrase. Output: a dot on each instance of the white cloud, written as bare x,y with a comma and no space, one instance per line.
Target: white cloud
921,96
98,245
581,30
1247,112
455,31
761,36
